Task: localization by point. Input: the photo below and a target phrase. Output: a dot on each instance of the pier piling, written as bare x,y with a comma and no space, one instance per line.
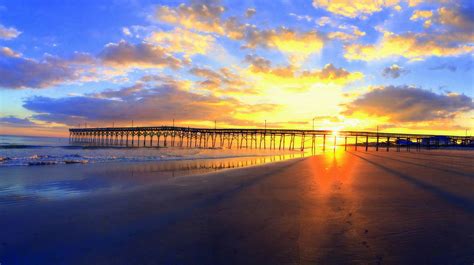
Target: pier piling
185,137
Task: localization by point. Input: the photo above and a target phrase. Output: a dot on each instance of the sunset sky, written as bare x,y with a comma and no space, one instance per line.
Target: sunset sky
349,65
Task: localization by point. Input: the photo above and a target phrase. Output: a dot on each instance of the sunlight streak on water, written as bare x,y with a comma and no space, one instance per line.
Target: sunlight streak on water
28,184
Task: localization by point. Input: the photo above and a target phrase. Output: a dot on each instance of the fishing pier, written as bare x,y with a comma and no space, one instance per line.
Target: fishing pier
281,139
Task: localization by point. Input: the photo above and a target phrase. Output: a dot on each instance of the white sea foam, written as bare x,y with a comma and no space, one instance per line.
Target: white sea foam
59,155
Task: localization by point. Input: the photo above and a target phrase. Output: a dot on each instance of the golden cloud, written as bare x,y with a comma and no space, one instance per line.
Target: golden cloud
202,17
207,17
149,103
421,14
297,45
413,3
290,76
181,40
425,15
412,46
352,9
332,74
351,33
222,82
142,55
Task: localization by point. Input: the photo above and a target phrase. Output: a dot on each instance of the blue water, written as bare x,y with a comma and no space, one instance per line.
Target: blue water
34,151
39,169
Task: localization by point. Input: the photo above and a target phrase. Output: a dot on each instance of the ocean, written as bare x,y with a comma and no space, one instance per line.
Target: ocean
39,169
47,151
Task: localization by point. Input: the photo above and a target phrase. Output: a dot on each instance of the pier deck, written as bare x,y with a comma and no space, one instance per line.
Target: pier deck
291,139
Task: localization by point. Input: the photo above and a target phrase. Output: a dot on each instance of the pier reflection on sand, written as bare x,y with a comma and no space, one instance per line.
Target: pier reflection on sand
23,185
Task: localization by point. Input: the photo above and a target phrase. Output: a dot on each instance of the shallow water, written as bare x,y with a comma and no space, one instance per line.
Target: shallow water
42,151
44,169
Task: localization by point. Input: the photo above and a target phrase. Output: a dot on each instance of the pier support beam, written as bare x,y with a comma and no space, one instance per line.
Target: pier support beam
366,143
377,144
302,142
324,142
208,138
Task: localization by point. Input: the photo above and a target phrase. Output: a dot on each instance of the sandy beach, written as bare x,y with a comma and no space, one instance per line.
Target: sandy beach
335,208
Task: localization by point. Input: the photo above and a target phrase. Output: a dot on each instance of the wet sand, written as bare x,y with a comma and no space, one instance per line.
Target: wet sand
337,208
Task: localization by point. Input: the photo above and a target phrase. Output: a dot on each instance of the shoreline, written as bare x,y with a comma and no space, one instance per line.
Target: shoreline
21,184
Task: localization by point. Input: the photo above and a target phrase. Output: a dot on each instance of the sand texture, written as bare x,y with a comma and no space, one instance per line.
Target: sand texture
337,208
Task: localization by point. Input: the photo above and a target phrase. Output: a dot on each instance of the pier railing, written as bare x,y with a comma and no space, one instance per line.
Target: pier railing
291,139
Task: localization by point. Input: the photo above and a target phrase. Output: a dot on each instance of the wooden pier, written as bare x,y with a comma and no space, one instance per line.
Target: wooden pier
281,139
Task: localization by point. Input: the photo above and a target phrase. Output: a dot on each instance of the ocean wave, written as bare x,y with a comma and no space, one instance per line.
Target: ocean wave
50,160
26,146
42,160
52,155
20,146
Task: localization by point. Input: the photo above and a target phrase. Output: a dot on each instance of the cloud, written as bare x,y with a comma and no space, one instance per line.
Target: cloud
258,63
7,52
345,32
297,45
180,40
332,74
409,104
414,46
457,18
393,71
421,15
205,73
15,121
452,17
261,66
126,31
207,17
114,60
447,66
352,9
143,103
451,36
203,16
302,17
424,15
8,33
322,21
413,3
141,55
344,36
19,72
329,74
328,119
222,82
250,12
